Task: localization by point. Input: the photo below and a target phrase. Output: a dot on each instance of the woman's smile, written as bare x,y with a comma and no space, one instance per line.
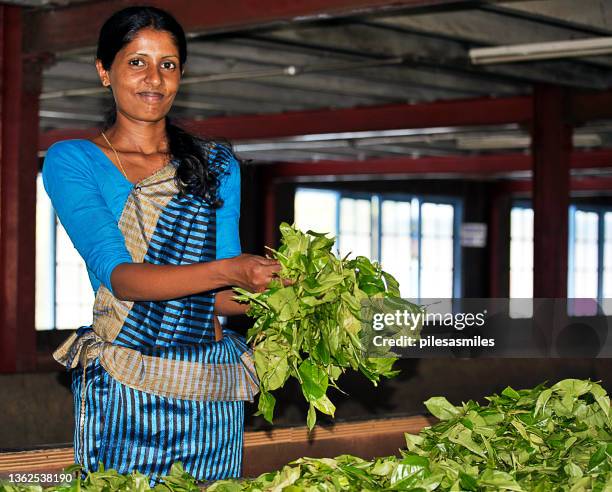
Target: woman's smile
151,97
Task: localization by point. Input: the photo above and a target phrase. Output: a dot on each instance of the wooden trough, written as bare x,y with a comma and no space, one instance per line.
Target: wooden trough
265,450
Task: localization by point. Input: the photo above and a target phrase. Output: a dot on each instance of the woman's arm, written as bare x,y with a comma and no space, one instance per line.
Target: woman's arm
228,236
147,282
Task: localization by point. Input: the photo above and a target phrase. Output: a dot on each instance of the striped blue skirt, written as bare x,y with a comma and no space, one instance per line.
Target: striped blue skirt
127,429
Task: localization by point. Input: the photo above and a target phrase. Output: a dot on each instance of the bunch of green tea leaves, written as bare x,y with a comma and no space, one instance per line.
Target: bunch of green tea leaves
110,481
534,440
311,329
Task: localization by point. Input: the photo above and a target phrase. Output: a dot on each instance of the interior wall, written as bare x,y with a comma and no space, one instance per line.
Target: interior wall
35,410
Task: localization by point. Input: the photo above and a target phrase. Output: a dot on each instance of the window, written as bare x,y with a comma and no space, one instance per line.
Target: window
45,259
607,264
589,259
589,268
436,250
312,210
64,298
521,261
355,227
583,265
521,252
411,237
399,244
74,297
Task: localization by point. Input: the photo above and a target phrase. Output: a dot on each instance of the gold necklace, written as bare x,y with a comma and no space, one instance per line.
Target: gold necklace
116,155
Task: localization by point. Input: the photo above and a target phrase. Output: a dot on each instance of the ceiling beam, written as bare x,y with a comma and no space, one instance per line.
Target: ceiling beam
587,106
485,165
465,112
481,165
77,26
600,184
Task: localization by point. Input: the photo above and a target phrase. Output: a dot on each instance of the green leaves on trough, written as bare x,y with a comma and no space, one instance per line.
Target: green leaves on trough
310,330
554,439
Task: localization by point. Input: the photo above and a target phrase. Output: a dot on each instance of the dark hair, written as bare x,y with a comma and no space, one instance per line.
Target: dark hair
194,174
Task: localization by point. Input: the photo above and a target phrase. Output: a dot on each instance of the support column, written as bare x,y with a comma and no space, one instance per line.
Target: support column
21,84
499,243
270,235
551,148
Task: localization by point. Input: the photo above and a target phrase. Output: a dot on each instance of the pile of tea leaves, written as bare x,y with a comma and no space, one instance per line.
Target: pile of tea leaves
537,440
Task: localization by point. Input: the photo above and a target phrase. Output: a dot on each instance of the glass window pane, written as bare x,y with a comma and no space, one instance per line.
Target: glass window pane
74,296
355,227
316,210
398,256
585,259
436,250
45,218
521,260
607,264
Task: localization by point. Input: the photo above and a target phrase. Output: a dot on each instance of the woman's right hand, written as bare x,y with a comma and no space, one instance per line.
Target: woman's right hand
251,272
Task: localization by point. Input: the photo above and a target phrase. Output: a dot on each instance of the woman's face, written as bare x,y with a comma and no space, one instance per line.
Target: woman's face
144,76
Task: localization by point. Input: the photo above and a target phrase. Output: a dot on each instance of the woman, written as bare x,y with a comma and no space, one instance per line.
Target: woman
154,211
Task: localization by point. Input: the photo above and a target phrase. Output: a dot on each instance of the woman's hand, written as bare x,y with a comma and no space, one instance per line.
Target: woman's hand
252,272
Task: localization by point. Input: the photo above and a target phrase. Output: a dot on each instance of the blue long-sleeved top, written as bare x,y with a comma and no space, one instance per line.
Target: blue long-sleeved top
89,192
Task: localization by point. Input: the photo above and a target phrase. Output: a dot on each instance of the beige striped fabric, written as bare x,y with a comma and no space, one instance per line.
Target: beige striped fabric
181,379
165,377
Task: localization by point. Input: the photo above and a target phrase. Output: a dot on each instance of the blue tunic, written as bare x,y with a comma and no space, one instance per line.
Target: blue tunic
154,386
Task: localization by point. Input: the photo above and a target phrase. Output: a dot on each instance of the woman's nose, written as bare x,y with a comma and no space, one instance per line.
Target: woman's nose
153,76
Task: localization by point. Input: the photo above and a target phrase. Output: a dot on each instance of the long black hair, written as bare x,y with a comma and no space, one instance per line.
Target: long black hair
194,174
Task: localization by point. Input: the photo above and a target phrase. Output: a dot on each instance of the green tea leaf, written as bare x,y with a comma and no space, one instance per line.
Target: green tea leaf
314,380
266,405
441,408
324,405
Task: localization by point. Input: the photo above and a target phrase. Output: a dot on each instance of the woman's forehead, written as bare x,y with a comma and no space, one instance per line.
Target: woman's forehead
152,40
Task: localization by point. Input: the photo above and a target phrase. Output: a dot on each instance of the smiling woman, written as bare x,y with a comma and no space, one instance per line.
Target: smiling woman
154,213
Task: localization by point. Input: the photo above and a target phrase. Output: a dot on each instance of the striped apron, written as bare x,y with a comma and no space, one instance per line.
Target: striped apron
151,383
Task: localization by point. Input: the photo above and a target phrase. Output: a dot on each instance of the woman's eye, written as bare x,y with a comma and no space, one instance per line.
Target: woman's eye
169,65
136,62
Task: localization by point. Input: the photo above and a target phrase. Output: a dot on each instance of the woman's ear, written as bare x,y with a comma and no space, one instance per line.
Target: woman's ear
103,74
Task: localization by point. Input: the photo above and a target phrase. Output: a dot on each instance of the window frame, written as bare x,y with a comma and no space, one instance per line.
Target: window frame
376,220
600,210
